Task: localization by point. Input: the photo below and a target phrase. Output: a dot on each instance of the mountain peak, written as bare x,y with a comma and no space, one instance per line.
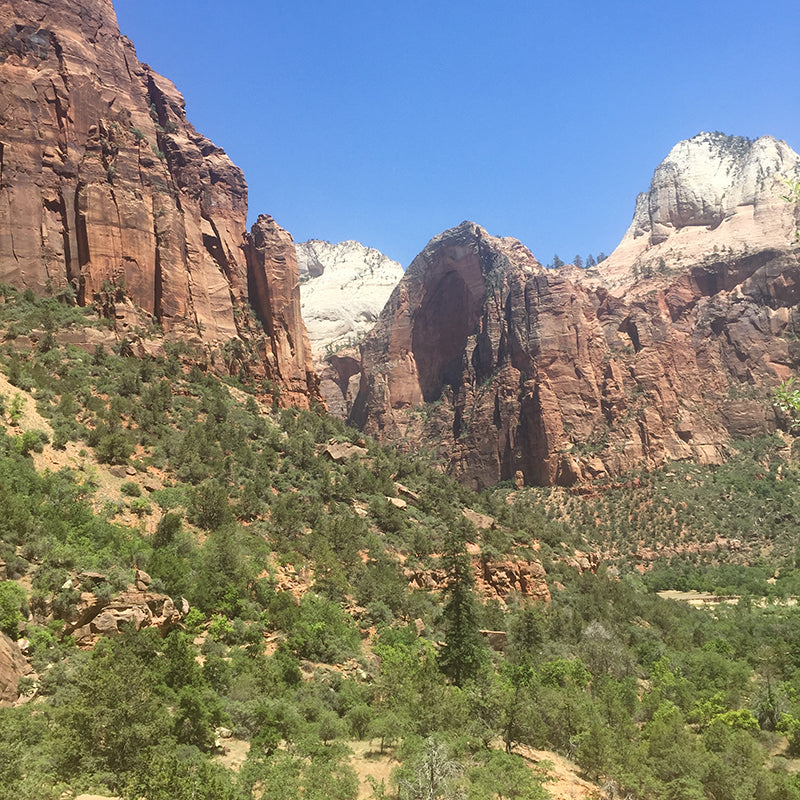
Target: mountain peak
711,192
343,287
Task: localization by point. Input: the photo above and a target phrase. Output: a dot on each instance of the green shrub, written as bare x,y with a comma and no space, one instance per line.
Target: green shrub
12,602
322,631
140,507
130,489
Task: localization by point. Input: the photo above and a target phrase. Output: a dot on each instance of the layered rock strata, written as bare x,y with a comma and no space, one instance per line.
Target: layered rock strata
108,194
502,367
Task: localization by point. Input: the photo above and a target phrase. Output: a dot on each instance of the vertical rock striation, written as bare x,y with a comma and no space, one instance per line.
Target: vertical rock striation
107,190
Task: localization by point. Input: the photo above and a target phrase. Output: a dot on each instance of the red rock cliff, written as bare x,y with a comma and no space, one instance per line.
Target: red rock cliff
104,183
503,367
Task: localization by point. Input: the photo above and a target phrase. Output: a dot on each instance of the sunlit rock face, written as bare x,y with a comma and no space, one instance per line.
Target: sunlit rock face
508,371
343,289
712,194
105,184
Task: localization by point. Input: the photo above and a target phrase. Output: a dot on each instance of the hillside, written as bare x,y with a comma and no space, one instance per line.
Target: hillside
193,573
213,589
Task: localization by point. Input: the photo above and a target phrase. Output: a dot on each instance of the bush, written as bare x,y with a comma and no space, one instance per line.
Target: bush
130,489
12,601
208,505
140,507
322,632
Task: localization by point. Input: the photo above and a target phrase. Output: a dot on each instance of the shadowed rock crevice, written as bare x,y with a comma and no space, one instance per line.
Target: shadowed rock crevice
447,316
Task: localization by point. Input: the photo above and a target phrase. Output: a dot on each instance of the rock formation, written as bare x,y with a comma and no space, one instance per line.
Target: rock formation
13,666
665,352
713,194
108,194
343,288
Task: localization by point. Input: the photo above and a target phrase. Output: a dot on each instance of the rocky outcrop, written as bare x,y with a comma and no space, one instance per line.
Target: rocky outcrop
502,580
274,289
502,367
713,194
13,666
138,608
494,580
108,194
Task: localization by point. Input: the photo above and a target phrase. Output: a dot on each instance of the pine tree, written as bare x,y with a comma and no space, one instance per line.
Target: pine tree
557,262
578,262
464,650
590,262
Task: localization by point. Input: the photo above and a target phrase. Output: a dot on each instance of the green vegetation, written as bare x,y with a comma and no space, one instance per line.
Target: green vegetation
306,631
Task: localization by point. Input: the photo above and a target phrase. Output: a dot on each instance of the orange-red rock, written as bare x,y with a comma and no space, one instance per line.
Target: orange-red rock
504,367
105,185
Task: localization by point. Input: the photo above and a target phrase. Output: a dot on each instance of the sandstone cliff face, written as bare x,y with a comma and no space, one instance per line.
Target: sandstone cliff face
13,666
106,189
343,288
508,370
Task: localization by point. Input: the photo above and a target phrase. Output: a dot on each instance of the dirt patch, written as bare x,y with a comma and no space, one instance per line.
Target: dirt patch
29,417
566,784
234,754
367,761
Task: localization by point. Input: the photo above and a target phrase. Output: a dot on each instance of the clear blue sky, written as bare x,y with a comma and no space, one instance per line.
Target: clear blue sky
388,122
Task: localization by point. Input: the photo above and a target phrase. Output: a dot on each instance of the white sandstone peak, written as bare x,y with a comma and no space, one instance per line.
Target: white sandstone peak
712,193
343,288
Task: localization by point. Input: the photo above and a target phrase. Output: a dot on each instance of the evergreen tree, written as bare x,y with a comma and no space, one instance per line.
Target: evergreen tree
590,262
557,262
464,650
578,262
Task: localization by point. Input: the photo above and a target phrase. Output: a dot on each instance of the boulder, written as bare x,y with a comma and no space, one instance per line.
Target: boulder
13,666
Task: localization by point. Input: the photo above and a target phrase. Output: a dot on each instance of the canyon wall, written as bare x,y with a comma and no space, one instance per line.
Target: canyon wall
108,192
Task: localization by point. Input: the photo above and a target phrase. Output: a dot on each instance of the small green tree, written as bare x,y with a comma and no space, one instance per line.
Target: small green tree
787,398
793,196
506,777
464,651
12,600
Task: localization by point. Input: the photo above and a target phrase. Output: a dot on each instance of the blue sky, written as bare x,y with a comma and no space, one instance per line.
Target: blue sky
389,122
